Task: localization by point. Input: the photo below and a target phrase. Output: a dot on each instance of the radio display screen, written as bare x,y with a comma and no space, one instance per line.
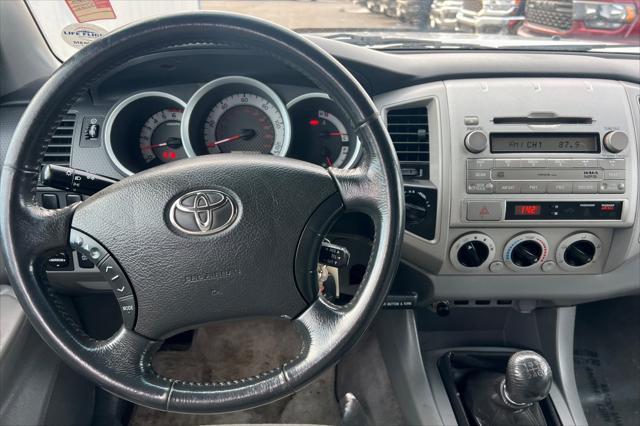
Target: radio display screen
545,142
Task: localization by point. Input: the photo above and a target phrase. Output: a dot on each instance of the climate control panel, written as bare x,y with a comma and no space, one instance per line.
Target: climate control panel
530,252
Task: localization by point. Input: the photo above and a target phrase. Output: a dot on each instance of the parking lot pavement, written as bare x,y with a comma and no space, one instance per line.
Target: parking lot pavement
305,14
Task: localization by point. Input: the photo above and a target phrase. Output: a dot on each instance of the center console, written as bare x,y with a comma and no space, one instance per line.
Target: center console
553,161
527,177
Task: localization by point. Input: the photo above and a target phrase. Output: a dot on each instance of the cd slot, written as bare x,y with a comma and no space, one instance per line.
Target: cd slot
542,120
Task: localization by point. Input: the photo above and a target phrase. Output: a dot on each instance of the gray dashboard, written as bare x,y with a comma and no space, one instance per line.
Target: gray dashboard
451,86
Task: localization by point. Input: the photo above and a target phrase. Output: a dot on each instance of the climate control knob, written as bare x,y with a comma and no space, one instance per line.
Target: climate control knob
472,251
526,251
578,251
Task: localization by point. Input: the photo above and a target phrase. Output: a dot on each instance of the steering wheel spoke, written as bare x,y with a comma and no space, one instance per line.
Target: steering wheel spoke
364,188
128,367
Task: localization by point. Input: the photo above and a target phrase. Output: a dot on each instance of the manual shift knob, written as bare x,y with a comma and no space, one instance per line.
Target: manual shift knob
528,378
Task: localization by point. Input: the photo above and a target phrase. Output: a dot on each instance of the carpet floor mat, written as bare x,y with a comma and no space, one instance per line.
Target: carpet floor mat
607,361
234,350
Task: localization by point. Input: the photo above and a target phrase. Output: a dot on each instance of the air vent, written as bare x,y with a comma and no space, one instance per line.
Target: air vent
409,131
59,149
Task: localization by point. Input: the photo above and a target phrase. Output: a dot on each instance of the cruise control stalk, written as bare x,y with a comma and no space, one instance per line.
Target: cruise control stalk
70,179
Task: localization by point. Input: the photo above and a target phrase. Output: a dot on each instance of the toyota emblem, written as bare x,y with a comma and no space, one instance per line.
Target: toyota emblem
203,212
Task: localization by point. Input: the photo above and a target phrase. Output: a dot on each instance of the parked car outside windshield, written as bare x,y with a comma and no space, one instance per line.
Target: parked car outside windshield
382,24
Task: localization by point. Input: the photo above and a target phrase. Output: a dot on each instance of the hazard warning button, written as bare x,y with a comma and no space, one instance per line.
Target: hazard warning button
484,210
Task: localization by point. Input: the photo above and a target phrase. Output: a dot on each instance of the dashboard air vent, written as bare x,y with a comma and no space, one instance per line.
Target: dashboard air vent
409,131
59,149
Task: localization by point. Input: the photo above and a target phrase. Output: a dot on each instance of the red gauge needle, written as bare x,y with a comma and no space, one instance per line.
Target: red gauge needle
329,134
171,143
225,140
329,162
247,134
159,145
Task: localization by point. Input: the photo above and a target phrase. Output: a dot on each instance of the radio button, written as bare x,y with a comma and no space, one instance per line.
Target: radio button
614,174
559,187
612,187
480,164
479,174
582,163
476,141
507,163
534,162
471,120
479,187
612,163
615,141
533,188
484,210
507,188
585,187
558,163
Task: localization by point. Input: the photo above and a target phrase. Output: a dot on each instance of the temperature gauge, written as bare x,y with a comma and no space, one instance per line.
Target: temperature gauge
321,132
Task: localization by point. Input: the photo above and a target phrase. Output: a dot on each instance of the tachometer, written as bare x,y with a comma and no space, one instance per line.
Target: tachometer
245,122
160,136
144,130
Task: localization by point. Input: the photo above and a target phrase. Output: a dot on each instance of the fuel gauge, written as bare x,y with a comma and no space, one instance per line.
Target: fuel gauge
321,134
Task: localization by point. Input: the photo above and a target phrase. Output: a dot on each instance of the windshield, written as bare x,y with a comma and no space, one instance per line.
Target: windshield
412,25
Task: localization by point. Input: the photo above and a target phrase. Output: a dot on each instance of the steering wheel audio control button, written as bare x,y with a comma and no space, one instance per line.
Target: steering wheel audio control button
87,246
94,252
116,277
128,311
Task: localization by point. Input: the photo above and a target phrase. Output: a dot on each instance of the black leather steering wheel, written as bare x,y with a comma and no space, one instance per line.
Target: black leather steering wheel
248,269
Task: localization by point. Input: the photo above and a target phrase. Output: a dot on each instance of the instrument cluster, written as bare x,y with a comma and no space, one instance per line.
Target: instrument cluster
228,115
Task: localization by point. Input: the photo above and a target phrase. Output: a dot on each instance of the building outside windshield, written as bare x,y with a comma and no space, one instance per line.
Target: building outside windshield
413,25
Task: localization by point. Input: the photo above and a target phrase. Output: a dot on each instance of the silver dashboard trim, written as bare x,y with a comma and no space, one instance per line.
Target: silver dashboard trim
113,114
434,117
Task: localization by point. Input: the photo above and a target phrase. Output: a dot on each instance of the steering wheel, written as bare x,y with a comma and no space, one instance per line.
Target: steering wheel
243,230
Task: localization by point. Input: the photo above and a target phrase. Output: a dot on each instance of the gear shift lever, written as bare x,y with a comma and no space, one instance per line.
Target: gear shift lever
528,379
512,398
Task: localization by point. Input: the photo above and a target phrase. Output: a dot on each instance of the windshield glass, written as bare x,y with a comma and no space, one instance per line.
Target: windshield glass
415,25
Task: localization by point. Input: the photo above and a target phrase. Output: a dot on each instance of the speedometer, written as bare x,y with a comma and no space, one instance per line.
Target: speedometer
236,114
245,122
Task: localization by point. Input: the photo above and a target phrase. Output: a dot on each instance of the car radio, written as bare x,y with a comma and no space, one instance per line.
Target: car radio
540,163
542,175
552,160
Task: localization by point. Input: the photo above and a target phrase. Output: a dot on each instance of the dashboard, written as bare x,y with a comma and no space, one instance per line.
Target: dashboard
520,185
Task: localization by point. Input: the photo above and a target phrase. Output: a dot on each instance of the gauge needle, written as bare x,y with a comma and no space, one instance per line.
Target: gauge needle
171,143
246,134
331,134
